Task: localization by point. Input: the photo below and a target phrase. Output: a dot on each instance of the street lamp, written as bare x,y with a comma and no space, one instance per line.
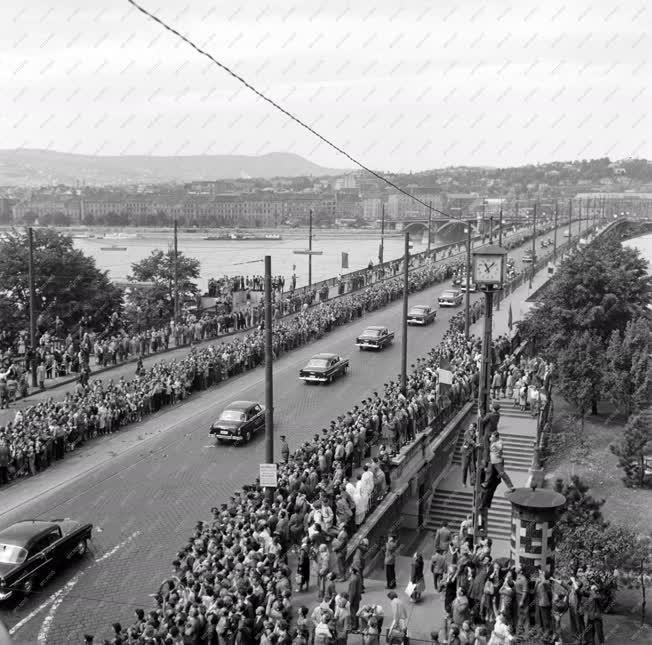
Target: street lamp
489,275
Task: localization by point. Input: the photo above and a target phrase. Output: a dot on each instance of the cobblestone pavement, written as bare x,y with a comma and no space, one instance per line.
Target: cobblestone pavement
145,501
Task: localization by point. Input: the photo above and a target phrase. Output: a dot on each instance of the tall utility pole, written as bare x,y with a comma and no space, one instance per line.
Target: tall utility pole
310,251
570,219
491,229
381,250
32,302
554,235
484,204
406,263
500,227
483,402
579,217
467,304
534,238
176,276
269,357
429,223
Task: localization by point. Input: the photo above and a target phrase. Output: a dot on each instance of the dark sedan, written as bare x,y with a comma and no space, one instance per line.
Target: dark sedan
239,422
324,368
375,337
32,551
421,315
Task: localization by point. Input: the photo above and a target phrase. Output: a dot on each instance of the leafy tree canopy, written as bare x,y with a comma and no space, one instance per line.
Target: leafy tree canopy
68,284
598,289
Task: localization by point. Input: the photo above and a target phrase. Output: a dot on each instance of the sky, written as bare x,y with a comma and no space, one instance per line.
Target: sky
399,86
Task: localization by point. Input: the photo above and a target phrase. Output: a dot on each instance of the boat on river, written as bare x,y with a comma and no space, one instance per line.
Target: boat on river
244,237
113,247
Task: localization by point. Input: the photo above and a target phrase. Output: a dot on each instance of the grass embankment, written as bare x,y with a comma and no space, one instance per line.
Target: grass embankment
588,456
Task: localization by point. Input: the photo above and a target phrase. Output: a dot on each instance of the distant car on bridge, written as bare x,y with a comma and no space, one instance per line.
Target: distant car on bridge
450,298
324,368
421,315
375,337
32,551
239,422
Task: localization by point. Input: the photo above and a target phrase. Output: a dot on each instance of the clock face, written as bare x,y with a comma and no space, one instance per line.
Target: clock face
488,269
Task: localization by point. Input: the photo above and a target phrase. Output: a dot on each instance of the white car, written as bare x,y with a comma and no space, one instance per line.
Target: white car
450,298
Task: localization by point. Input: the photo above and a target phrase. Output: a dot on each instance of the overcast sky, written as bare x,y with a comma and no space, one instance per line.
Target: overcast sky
400,86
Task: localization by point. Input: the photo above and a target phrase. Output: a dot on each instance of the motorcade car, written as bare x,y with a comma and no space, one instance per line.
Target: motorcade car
421,315
529,257
32,551
467,283
238,422
324,368
375,337
450,298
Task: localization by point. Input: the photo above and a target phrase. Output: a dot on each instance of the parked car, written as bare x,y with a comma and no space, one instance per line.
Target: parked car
421,315
324,368
32,551
239,422
375,337
450,298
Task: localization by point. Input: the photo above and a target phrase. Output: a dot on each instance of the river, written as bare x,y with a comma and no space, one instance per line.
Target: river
219,258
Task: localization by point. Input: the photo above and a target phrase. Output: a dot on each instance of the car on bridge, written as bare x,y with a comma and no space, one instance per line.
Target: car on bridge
467,283
32,551
421,315
239,422
375,337
450,298
324,368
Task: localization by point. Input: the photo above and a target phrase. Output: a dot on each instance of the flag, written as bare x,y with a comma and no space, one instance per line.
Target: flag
345,260
509,317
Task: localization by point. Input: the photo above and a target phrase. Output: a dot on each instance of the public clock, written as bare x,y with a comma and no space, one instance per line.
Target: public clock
488,267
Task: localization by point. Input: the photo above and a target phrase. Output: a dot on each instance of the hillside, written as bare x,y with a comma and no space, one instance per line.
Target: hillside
38,167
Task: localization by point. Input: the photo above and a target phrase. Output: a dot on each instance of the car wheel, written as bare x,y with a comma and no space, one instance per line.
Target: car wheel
82,547
246,437
28,586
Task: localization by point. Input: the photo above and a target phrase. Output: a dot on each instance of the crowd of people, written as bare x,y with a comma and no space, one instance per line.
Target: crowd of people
232,284
234,580
97,408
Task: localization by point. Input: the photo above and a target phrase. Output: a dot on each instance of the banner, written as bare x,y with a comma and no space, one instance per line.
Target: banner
268,475
345,260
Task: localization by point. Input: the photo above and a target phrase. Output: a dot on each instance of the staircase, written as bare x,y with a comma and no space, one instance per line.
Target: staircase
453,506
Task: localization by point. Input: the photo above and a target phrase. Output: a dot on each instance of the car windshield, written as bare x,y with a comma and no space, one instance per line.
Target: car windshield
232,415
318,362
448,294
371,332
12,554
417,310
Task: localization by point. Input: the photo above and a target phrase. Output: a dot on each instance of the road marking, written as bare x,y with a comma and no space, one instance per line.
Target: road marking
58,596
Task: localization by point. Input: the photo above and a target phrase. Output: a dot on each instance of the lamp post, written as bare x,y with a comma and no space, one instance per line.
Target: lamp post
534,237
467,304
381,248
500,227
406,273
554,237
429,224
489,275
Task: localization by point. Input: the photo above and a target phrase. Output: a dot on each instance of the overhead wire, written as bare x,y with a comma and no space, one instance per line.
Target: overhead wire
287,113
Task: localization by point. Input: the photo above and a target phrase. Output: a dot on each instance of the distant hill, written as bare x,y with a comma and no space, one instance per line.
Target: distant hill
37,167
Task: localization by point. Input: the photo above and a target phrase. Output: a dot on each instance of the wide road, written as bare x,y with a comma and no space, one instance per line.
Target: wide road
146,501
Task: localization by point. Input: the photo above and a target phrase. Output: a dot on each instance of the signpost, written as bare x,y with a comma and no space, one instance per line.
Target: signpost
268,475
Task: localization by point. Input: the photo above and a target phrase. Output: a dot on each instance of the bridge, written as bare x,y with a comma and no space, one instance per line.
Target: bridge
440,226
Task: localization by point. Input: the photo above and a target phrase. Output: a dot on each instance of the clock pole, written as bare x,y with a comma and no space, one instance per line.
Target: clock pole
489,274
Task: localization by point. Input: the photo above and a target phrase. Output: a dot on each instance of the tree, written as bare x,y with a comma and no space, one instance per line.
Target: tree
626,376
159,268
68,284
581,508
598,289
632,449
580,372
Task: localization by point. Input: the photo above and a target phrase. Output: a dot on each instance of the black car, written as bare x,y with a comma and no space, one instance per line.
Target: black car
324,368
375,337
239,422
421,315
31,551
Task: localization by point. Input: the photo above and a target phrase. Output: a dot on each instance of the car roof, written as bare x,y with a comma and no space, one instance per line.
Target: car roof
419,307
324,355
21,533
375,327
451,290
240,405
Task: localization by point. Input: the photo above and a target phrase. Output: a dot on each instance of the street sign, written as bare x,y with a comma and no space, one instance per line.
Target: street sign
268,475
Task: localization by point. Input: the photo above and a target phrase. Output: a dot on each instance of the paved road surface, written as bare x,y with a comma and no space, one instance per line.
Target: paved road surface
145,501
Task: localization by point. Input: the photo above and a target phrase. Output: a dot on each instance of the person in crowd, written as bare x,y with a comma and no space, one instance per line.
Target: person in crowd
391,548
417,577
